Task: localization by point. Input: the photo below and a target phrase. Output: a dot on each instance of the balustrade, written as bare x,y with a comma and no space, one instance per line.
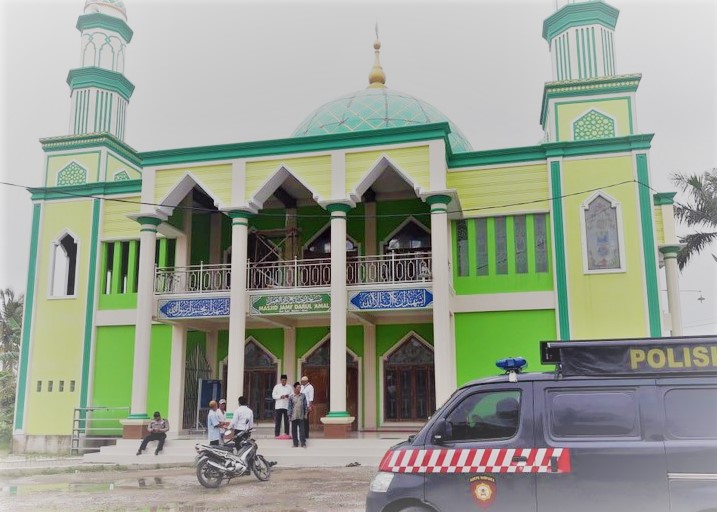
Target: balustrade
308,273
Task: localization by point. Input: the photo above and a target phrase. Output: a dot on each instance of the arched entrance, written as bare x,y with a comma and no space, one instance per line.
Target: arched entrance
260,377
317,367
409,382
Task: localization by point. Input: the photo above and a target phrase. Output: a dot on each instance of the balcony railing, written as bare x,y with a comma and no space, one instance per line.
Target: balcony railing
308,273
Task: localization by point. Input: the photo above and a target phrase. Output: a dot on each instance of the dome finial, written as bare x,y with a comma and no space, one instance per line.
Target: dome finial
376,77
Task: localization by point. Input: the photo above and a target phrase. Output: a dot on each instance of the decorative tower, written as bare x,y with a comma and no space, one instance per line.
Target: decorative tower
587,99
581,39
99,91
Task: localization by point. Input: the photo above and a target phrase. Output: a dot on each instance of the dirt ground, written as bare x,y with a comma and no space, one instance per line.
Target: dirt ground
177,490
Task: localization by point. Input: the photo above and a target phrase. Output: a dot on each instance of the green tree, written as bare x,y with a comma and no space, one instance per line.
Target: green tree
698,212
10,326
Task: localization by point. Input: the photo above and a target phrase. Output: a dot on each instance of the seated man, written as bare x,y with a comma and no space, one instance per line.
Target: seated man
157,432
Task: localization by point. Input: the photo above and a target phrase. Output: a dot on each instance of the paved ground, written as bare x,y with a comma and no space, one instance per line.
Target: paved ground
177,490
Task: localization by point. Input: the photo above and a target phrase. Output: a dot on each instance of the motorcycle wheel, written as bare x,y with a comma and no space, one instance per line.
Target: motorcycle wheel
261,468
208,475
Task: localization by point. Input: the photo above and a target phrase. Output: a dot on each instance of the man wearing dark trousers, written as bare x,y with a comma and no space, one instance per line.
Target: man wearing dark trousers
308,390
157,432
280,394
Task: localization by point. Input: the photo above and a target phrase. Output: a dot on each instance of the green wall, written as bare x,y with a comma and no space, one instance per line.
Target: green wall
483,338
112,386
512,281
200,238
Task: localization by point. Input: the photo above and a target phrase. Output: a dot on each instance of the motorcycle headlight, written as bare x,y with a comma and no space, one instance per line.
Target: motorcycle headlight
381,482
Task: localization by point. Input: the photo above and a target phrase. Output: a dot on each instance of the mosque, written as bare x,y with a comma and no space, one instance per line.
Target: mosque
159,278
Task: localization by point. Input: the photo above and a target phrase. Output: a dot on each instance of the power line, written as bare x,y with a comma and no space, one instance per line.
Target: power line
377,216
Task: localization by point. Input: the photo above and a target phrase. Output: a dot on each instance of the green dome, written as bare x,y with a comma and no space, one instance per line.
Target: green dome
374,108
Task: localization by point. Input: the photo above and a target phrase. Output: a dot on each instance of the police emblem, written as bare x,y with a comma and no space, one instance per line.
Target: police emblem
483,489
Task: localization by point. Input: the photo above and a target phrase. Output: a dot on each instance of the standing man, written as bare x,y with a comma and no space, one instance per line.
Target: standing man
281,394
222,415
308,390
243,417
213,425
297,412
157,432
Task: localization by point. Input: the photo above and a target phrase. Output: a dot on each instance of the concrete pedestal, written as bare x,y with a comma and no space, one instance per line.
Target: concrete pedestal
337,428
134,429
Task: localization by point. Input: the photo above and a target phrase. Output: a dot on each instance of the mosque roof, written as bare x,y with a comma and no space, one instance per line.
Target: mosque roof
377,107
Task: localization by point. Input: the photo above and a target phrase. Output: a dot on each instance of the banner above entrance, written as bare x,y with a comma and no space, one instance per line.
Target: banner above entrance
290,304
381,300
193,308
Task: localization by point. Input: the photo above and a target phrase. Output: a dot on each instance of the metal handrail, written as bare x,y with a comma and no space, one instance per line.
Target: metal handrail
389,268
85,426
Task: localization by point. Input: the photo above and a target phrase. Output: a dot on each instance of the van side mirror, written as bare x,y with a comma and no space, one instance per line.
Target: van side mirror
441,432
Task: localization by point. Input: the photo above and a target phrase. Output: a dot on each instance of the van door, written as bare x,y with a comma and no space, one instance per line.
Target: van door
487,435
613,434
690,406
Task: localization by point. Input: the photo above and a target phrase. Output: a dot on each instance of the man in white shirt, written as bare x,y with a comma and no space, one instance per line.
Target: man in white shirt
243,417
281,394
213,424
308,390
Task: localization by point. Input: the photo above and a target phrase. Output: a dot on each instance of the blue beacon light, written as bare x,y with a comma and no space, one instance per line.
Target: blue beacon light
512,366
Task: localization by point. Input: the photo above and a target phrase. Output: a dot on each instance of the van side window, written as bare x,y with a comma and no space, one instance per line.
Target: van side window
690,413
484,416
593,413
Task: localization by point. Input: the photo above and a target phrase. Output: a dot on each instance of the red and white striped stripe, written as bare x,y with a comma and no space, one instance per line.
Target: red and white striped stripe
477,460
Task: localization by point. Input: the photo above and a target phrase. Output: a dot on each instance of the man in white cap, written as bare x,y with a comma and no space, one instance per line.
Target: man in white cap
221,415
308,390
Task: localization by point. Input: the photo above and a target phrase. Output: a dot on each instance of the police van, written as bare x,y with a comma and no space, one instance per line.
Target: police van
621,425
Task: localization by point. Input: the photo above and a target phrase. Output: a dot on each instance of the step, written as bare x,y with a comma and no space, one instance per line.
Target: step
319,453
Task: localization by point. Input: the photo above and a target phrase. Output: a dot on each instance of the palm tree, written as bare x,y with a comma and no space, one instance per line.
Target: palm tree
10,327
699,212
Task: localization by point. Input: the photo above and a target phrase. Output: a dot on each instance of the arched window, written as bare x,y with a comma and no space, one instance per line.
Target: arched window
72,174
64,266
411,237
320,246
603,248
408,382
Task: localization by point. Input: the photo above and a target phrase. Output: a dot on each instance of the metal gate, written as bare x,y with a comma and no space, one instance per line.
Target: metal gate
196,368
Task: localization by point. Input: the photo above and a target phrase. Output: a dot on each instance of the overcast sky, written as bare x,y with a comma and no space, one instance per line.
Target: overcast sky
212,72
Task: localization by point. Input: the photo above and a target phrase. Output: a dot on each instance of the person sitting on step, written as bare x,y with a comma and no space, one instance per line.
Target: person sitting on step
157,432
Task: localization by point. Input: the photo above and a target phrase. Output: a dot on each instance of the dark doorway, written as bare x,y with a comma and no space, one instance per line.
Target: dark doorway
409,382
317,367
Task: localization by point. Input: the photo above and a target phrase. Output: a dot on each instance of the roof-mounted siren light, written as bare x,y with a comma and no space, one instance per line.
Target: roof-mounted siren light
512,366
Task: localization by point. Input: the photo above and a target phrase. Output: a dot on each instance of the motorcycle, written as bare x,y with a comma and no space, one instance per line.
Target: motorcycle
230,460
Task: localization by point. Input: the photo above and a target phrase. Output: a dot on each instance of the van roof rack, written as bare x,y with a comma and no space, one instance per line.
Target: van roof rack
632,356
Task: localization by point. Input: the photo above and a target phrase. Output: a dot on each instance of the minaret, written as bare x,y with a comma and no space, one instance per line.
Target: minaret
581,39
99,91
586,99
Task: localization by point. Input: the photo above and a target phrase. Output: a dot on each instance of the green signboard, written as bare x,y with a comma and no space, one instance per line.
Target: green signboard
290,304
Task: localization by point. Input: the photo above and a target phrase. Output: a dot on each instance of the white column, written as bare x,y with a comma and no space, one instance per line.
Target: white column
143,326
337,390
290,354
672,275
212,348
176,379
370,372
237,311
444,361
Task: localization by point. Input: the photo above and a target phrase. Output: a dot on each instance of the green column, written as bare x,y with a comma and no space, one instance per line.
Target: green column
132,267
116,283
